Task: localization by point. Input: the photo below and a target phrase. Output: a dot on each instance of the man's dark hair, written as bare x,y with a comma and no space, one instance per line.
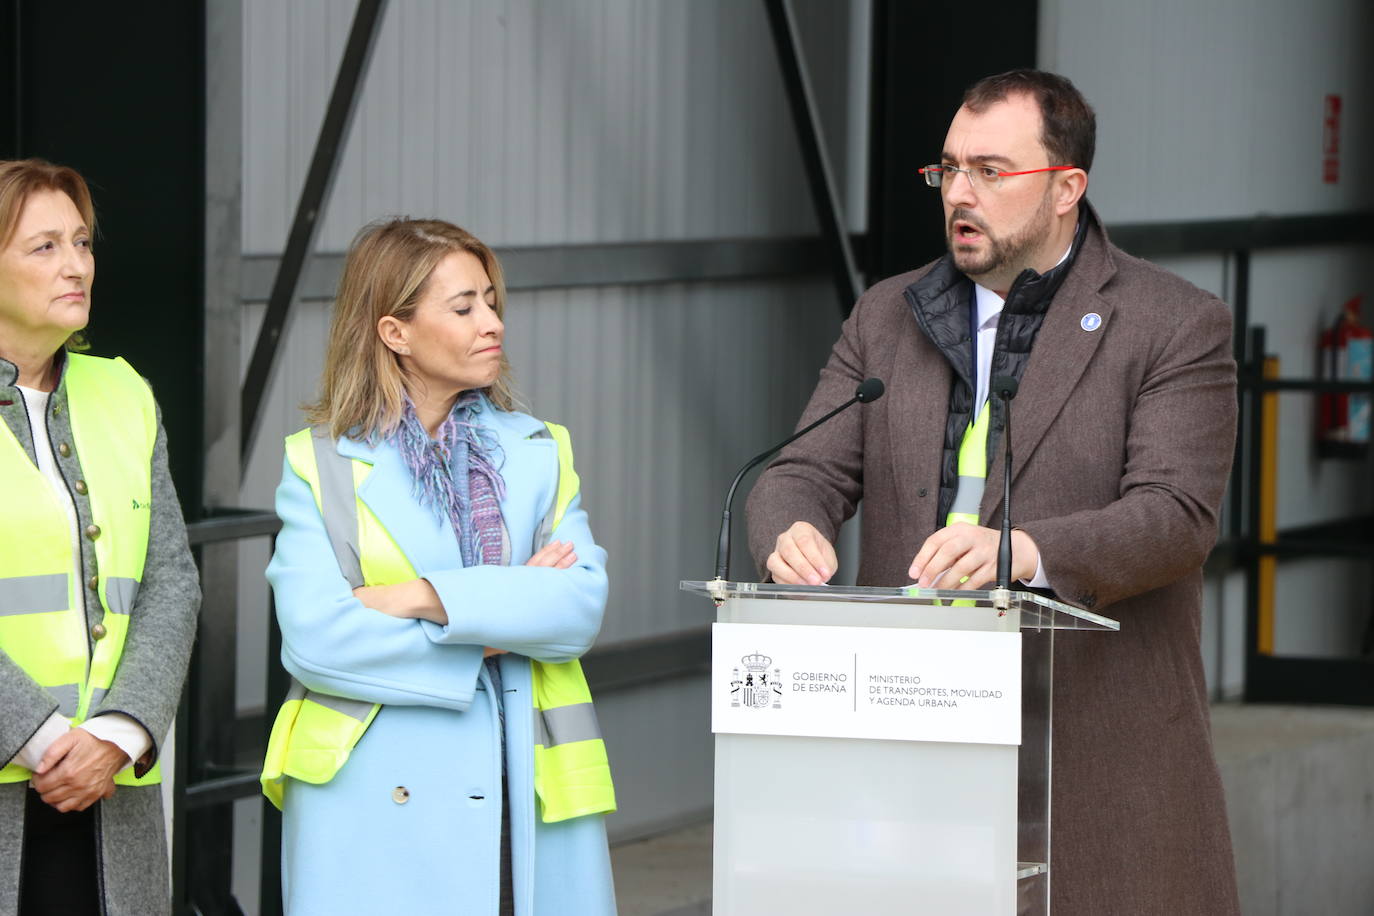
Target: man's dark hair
1068,126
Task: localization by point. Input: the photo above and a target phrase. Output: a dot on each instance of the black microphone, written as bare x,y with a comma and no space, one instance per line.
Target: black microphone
869,390
1004,386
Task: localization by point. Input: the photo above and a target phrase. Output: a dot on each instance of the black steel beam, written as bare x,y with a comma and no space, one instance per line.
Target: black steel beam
208,742
12,97
1290,548
1339,681
820,176
232,525
1243,233
1352,528
1319,385
179,851
318,180
609,264
1240,322
707,260
1252,371
269,881
635,663
223,790
918,85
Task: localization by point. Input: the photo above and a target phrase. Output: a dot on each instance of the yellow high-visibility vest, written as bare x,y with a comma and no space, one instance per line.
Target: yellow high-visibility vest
973,478
973,471
114,429
314,733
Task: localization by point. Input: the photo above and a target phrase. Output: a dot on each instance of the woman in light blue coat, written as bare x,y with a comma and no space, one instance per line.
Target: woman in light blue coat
434,811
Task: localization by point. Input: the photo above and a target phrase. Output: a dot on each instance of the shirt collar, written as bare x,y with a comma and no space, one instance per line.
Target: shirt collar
989,304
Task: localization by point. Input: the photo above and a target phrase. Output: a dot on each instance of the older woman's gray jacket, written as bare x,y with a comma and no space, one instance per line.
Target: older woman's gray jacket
146,687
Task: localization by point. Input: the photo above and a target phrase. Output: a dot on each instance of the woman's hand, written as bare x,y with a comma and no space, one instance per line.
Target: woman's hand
413,600
78,770
417,599
555,554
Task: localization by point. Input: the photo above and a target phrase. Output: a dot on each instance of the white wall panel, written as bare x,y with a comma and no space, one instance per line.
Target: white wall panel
541,122
1213,108
1205,271
662,756
554,122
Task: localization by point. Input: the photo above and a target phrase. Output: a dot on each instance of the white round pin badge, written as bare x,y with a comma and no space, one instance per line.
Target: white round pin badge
1091,321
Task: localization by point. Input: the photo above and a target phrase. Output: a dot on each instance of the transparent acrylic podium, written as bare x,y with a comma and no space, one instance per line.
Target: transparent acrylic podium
807,825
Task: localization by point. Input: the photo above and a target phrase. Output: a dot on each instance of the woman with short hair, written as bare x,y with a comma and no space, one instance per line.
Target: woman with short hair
98,591
436,581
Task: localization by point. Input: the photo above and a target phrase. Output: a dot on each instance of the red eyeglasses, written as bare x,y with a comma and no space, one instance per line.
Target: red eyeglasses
981,176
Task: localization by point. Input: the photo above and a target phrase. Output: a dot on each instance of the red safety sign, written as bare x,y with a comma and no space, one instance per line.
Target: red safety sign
1331,140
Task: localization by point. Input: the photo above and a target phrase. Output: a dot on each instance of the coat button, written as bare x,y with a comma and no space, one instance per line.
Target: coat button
93,583
64,450
98,631
80,487
92,531
400,795
921,492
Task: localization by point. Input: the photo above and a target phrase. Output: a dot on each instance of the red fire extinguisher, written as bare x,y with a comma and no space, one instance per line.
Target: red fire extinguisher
1343,420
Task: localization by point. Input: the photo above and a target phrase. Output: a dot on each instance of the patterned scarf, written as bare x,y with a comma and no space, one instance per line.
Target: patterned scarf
455,475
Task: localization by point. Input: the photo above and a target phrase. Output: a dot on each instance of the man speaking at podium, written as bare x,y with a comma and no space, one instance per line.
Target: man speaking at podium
1125,425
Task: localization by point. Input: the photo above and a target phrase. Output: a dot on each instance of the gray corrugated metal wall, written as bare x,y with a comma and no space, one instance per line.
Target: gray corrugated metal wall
1213,110
550,123
539,122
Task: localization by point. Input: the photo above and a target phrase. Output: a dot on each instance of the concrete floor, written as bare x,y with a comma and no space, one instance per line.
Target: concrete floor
668,875
1300,793
1300,796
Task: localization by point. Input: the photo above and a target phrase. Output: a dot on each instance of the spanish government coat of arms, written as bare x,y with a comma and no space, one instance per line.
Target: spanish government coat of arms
760,687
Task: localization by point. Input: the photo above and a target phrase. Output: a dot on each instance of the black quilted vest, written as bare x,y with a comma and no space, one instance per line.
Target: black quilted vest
942,302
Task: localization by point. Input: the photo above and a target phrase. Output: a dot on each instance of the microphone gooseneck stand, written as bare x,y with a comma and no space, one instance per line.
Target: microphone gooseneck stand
1005,386
869,390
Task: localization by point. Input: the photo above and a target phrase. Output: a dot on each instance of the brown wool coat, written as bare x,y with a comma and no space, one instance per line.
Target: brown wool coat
1122,441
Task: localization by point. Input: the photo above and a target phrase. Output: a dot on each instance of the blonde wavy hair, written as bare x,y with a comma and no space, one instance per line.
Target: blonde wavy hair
388,266
19,180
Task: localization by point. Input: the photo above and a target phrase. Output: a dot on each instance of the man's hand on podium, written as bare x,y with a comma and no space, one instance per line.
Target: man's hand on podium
802,556
964,556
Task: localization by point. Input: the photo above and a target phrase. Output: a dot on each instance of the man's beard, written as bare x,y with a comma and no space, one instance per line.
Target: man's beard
1003,257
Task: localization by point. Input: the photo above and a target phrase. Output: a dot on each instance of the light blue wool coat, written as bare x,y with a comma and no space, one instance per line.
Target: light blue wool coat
347,845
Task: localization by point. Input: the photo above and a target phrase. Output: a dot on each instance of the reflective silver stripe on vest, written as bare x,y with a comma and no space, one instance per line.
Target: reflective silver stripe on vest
354,709
97,695
68,697
338,505
33,594
969,496
505,543
121,593
566,724
544,533
295,692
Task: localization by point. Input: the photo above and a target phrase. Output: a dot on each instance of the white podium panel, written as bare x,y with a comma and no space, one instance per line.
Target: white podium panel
837,826
890,683
819,810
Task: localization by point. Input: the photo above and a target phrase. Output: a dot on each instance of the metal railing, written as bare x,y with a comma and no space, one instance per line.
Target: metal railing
210,771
